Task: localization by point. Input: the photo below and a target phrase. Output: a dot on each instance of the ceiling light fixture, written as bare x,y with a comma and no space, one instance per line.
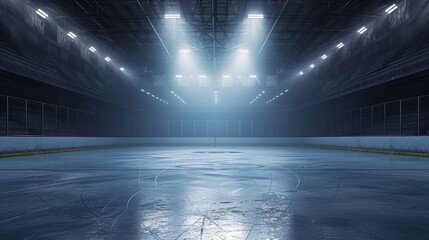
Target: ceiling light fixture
362,30
42,13
340,45
324,56
172,16
71,35
312,66
391,9
301,73
243,51
122,69
92,49
107,59
255,16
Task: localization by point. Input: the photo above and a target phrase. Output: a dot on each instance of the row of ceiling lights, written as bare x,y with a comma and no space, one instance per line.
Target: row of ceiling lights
188,51
277,96
72,35
177,16
153,96
257,97
340,45
178,97
179,76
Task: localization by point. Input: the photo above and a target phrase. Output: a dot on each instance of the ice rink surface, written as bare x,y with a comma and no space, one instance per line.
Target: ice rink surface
214,193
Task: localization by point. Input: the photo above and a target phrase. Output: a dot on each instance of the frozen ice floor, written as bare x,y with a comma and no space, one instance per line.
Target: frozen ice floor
208,193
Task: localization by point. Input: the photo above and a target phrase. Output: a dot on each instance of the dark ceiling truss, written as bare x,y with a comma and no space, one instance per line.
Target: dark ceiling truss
292,31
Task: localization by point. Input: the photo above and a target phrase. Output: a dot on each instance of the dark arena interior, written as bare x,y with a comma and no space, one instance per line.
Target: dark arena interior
214,119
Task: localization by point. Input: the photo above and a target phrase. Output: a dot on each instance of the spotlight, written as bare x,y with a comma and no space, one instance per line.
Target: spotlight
179,76
391,9
107,59
312,66
255,16
41,13
142,90
362,30
122,69
172,16
92,49
301,73
252,76
71,35
340,45
185,51
324,56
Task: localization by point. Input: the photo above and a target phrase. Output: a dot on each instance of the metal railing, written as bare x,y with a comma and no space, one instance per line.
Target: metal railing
408,116
26,117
